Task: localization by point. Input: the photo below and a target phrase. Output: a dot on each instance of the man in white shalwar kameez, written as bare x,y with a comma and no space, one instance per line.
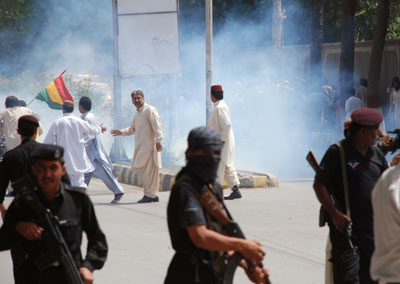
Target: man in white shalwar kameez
69,132
220,120
9,121
97,154
146,162
385,262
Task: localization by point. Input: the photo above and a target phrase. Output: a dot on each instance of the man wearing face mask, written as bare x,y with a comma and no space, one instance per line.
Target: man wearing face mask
200,247
363,165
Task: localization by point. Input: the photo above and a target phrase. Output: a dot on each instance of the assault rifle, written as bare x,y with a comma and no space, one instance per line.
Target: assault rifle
59,253
214,208
323,214
393,145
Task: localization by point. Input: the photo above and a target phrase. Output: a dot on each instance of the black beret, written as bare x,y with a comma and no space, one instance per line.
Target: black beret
366,116
29,119
48,152
204,138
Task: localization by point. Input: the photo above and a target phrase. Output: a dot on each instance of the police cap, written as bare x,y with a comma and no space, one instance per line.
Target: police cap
366,117
48,152
204,138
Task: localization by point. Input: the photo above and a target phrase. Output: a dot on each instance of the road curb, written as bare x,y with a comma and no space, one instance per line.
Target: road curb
124,174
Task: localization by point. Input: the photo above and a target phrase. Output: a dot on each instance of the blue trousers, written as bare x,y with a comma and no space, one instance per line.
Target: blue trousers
104,172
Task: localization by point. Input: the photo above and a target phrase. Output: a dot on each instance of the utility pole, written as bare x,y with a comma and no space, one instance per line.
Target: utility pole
209,35
117,149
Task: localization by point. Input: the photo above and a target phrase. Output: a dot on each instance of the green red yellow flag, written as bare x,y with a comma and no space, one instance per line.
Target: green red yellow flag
55,93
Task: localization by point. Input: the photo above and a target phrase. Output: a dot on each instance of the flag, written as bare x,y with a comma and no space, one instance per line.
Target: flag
56,93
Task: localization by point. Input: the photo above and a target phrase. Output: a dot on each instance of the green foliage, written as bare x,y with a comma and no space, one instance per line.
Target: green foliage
18,22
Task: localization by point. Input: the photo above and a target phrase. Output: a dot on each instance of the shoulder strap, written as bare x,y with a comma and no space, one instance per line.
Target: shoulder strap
344,176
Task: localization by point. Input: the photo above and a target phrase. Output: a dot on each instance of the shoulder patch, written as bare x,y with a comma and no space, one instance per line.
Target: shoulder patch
191,205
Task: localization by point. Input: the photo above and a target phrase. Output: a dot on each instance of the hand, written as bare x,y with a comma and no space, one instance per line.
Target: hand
395,160
252,250
116,132
86,274
3,210
257,275
158,147
103,128
29,230
387,140
339,220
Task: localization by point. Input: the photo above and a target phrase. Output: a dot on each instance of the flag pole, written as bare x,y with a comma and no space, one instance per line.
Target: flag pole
31,101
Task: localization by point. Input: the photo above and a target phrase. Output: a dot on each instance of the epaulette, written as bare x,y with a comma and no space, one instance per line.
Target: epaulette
75,188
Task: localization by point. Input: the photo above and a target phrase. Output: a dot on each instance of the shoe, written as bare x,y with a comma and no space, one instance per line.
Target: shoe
117,197
147,199
235,194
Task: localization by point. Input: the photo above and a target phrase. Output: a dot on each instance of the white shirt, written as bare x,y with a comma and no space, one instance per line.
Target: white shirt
385,262
9,124
146,126
361,93
220,121
69,132
351,105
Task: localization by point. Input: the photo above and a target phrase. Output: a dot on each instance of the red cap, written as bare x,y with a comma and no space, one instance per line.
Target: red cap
366,116
216,88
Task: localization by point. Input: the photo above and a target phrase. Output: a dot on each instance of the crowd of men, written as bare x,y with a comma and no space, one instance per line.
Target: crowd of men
357,191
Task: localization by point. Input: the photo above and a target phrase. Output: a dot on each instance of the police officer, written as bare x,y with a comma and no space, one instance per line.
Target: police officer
16,162
196,236
364,164
75,212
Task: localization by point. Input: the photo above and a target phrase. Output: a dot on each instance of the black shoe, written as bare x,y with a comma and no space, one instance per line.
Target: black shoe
117,198
235,194
147,199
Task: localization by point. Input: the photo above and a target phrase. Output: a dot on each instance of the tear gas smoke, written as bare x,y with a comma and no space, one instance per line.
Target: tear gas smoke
274,121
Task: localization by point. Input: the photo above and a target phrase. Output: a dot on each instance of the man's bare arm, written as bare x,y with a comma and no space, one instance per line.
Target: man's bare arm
214,241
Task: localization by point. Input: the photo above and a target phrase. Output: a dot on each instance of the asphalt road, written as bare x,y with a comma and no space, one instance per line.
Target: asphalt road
283,219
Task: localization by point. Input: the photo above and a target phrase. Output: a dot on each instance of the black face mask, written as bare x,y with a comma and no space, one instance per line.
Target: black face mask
204,167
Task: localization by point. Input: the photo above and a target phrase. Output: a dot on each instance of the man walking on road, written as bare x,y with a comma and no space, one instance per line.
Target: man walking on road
200,246
16,162
146,162
9,121
69,132
220,121
362,163
97,154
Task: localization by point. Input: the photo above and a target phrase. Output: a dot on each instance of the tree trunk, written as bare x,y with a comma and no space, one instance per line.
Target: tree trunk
277,20
375,60
346,68
316,35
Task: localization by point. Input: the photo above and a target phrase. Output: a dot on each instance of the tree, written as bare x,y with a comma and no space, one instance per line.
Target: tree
346,67
378,44
317,8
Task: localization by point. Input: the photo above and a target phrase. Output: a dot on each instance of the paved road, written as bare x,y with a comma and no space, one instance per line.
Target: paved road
283,219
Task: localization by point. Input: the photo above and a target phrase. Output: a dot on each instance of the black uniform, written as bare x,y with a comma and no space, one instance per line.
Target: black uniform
190,264
362,174
15,164
76,214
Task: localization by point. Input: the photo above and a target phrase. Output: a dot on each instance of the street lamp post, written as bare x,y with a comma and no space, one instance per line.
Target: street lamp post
209,34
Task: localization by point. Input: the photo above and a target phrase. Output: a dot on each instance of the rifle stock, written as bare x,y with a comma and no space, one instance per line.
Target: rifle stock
214,208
